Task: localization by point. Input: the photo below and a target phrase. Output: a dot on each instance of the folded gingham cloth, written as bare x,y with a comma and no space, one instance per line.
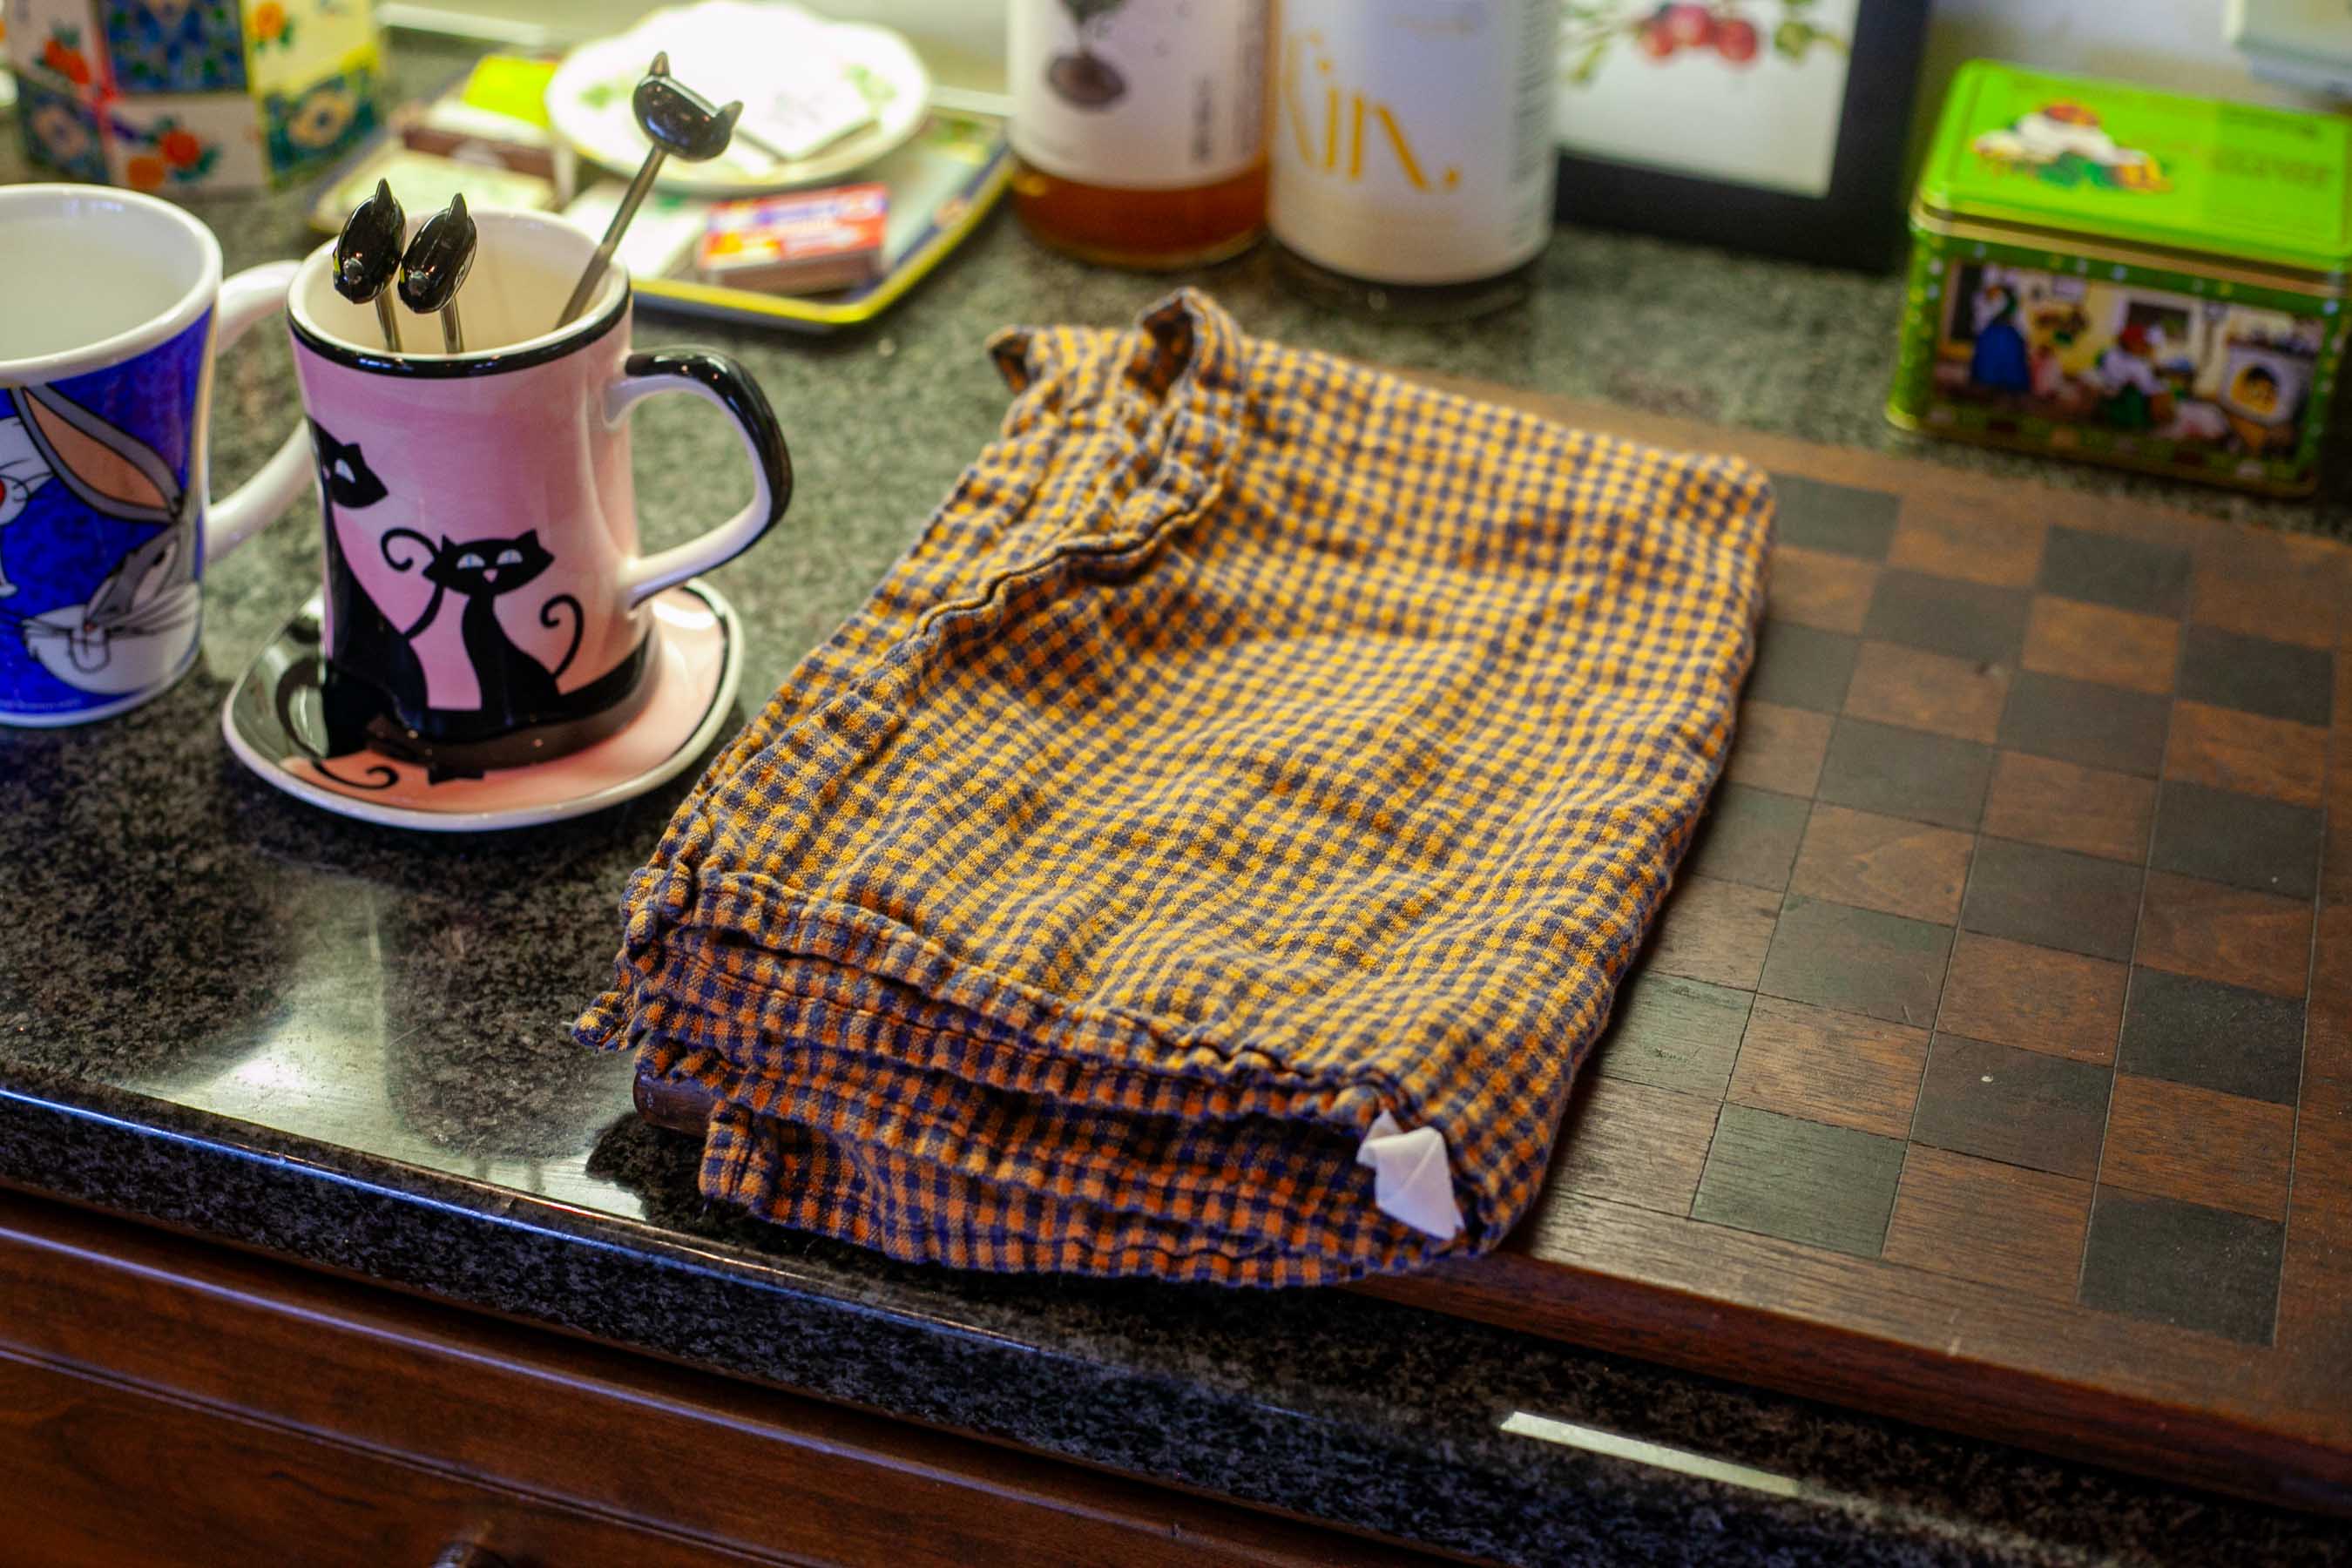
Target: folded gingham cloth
1212,849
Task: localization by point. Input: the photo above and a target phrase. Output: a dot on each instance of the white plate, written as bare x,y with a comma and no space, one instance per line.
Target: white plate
588,104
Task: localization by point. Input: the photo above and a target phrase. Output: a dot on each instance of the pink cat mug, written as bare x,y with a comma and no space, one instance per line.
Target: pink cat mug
485,596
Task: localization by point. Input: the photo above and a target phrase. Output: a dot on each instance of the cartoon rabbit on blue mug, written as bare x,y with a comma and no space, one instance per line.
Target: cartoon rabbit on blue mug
114,313
137,624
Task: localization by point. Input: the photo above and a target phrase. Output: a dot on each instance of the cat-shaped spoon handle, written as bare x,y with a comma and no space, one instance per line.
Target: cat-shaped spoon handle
367,257
435,268
680,123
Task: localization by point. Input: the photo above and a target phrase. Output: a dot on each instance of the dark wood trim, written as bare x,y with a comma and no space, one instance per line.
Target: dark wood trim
2282,1457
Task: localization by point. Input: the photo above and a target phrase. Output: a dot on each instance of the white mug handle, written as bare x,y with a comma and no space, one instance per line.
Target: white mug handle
244,299
716,379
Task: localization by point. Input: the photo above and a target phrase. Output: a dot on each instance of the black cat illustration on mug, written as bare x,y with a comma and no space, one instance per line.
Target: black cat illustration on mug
374,689
516,688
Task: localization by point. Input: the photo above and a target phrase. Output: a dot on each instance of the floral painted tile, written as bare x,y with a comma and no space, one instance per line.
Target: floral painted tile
60,132
175,46
290,44
57,42
323,121
175,145
272,30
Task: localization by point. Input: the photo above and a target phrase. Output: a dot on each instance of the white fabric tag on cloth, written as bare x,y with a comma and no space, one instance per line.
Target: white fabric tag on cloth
1412,1180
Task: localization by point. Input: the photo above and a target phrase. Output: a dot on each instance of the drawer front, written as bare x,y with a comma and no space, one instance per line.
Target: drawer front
447,1404
121,1476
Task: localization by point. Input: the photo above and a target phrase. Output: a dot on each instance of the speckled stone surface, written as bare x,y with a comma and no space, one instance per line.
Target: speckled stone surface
223,1010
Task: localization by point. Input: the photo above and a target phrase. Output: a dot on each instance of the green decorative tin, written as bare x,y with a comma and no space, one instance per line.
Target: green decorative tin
2130,277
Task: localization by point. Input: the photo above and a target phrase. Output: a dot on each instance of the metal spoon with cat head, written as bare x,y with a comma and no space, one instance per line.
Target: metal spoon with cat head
367,257
435,268
680,123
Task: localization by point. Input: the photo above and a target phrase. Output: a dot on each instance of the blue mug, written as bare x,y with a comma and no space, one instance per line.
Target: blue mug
112,309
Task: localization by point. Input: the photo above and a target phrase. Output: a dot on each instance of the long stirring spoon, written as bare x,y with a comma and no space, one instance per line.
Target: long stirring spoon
680,123
435,268
367,257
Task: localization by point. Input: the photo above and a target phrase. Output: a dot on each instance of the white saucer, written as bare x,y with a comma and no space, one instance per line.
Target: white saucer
695,659
588,106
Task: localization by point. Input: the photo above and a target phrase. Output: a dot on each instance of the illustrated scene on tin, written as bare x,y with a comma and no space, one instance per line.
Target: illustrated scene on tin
2126,358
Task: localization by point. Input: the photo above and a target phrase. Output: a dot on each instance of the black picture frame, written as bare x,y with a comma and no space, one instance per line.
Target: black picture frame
1857,224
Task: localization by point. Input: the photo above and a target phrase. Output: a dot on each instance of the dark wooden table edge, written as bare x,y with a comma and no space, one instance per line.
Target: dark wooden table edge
1764,1348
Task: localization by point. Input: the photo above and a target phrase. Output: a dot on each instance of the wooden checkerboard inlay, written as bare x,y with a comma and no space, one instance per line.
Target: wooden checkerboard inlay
1992,1065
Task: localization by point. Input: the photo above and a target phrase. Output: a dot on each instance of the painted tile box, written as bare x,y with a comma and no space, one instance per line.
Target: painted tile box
2128,276
180,96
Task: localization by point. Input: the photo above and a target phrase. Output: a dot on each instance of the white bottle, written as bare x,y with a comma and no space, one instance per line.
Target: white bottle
1413,153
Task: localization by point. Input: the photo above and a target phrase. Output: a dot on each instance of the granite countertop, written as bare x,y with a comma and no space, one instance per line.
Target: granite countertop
225,1010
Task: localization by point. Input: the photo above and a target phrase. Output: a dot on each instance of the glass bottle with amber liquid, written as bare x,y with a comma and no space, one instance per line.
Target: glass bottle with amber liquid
1140,126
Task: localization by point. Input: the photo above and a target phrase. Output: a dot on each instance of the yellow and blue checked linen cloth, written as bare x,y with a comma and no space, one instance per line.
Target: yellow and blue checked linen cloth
1255,748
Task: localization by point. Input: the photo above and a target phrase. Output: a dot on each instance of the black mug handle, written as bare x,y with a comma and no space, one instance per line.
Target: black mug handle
716,379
